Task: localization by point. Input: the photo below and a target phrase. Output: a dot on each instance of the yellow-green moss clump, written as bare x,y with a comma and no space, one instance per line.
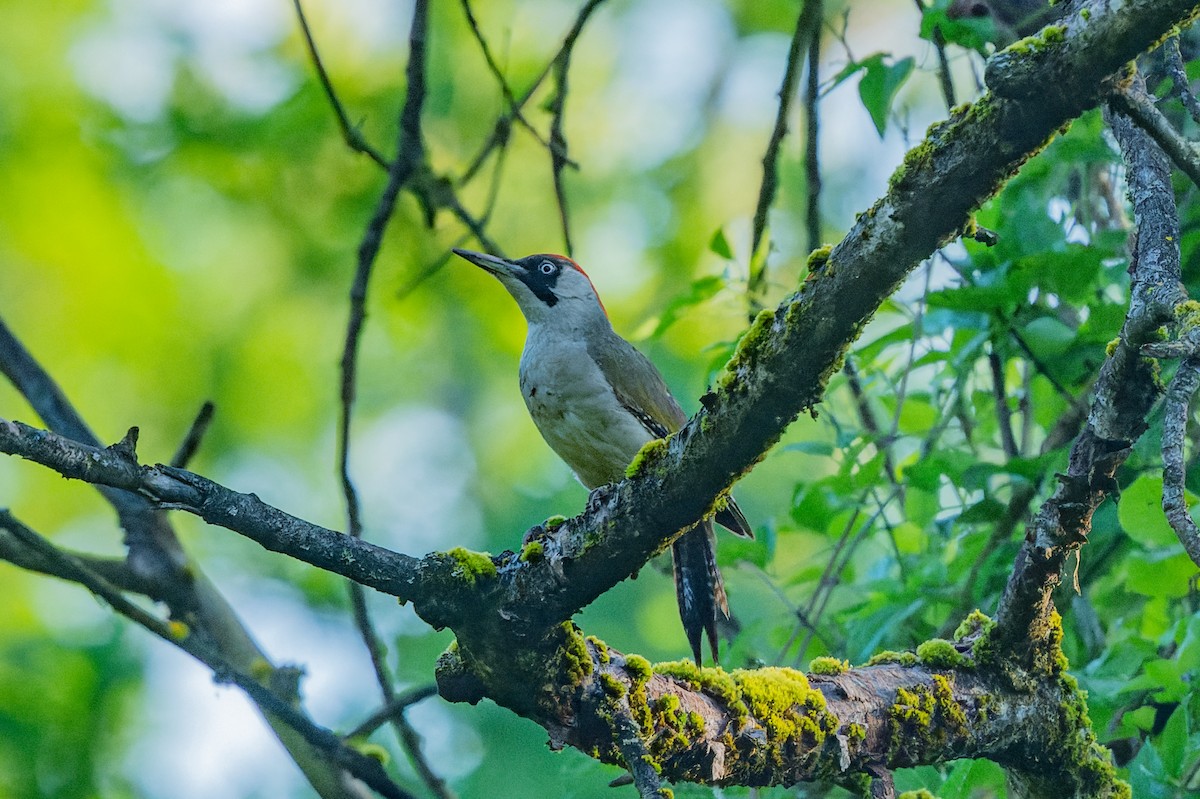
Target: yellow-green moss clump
650,453
924,716
749,348
573,654
471,566
905,659
918,794
1051,34
532,552
829,667
779,700
818,260
976,622
554,522
612,686
1187,313
938,653
601,649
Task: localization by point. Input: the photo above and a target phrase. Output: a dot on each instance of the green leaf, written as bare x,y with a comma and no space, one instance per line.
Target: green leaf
1141,516
972,33
1164,573
879,85
822,448
720,245
1047,336
703,289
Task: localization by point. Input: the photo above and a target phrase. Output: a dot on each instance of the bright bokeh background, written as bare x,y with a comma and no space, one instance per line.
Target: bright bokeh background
178,222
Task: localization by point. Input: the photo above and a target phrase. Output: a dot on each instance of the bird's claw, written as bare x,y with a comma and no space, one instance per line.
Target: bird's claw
596,498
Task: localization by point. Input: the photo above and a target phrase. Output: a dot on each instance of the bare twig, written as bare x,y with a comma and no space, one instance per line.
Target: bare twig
866,417
514,109
1003,413
397,706
153,550
939,45
191,442
503,125
558,140
353,136
807,26
1125,391
410,154
1175,417
812,136
114,570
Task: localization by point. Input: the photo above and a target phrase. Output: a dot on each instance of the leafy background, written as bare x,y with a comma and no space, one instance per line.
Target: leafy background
179,223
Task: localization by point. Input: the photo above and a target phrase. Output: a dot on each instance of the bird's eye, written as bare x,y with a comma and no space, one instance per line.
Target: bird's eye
546,267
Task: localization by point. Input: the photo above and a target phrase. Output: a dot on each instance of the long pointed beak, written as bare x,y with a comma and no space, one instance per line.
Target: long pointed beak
488,263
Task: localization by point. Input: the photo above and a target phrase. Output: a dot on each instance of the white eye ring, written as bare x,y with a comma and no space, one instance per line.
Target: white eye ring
546,267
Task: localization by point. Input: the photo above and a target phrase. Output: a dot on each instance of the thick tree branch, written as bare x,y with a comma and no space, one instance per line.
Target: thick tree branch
779,371
774,726
1124,394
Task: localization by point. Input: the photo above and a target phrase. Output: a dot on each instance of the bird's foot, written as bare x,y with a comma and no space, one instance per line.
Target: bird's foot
596,498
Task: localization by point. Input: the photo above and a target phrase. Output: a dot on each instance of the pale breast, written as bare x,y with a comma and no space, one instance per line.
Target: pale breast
577,413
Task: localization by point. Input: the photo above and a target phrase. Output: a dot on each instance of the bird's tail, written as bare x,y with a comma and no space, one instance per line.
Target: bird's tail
698,586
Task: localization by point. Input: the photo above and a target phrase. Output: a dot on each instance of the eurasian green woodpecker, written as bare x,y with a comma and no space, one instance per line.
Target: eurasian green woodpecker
596,400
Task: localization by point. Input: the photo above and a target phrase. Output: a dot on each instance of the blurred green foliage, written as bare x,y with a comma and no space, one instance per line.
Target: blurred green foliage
179,223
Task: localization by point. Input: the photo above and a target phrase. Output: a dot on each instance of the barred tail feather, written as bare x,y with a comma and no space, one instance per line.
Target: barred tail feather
699,588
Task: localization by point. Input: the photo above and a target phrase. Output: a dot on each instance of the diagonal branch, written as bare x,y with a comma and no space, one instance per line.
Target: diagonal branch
807,26
1178,405
1136,103
352,135
1124,393
500,131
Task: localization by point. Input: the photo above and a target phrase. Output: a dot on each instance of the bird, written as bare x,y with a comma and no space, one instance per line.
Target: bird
597,401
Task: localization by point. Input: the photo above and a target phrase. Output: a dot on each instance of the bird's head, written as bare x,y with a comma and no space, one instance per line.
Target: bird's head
550,289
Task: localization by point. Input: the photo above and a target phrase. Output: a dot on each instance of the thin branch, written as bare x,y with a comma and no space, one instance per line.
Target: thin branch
939,45
409,155
153,549
1125,391
1175,417
191,442
558,140
1136,103
503,126
807,26
155,564
1008,442
365,768
114,570
397,706
1179,78
352,135
812,141
866,417
514,109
